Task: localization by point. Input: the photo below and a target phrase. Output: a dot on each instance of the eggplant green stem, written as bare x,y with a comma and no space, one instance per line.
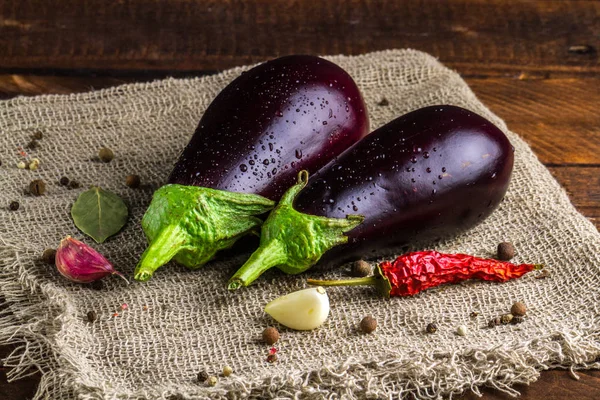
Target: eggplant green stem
293,241
261,260
190,224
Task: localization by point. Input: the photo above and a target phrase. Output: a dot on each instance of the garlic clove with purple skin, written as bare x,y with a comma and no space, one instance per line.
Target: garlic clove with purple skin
80,263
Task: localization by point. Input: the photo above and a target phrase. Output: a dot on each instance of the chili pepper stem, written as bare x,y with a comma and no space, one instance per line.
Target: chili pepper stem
263,259
369,280
379,280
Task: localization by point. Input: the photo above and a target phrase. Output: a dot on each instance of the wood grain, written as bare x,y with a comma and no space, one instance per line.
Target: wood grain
216,34
559,118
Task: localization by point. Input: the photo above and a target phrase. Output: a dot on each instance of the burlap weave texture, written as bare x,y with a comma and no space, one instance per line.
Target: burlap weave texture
181,322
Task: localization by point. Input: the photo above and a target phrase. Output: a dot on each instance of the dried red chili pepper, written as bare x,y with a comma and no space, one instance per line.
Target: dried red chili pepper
414,272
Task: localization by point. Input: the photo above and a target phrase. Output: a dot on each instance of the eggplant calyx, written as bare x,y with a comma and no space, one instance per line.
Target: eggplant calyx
293,241
189,224
379,280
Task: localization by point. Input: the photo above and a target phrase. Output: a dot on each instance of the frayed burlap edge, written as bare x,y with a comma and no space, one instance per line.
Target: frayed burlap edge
27,310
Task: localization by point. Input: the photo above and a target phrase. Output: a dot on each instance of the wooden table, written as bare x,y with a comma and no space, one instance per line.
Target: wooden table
534,63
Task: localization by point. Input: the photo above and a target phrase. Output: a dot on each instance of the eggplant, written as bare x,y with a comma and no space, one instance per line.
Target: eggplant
431,173
289,114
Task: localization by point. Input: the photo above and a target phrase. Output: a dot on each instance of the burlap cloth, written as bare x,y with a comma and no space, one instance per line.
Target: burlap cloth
181,322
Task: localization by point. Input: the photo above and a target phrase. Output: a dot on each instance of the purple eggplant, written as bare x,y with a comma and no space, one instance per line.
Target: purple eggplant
289,114
432,173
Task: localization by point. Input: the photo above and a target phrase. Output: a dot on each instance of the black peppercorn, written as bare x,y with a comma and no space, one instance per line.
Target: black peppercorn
38,135
495,322
517,319
74,185
14,205
64,181
49,256
92,316
272,358
106,154
37,187
133,181
506,251
431,328
32,145
202,376
384,102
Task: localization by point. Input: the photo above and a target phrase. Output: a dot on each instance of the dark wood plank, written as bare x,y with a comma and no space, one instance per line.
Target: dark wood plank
552,385
583,186
559,118
215,34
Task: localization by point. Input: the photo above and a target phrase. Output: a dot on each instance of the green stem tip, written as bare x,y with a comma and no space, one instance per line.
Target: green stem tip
293,241
190,224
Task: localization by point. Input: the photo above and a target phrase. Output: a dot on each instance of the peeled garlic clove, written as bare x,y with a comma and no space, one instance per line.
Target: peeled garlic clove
302,310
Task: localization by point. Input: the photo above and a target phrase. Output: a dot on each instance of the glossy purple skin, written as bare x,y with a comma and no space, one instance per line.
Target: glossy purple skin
431,173
292,113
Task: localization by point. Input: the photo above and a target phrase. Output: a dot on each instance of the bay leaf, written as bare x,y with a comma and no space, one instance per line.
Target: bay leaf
99,213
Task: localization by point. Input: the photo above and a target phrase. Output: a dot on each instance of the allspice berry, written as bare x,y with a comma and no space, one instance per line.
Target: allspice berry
106,154
368,324
49,256
14,205
133,181
361,268
270,335
506,251
518,309
37,187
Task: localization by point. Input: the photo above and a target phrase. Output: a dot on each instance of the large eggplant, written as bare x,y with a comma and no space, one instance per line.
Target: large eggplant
289,114
431,173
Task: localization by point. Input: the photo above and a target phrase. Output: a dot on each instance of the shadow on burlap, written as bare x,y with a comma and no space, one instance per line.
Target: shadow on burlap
181,322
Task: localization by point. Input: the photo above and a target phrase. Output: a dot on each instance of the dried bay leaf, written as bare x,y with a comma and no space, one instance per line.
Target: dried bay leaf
99,213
